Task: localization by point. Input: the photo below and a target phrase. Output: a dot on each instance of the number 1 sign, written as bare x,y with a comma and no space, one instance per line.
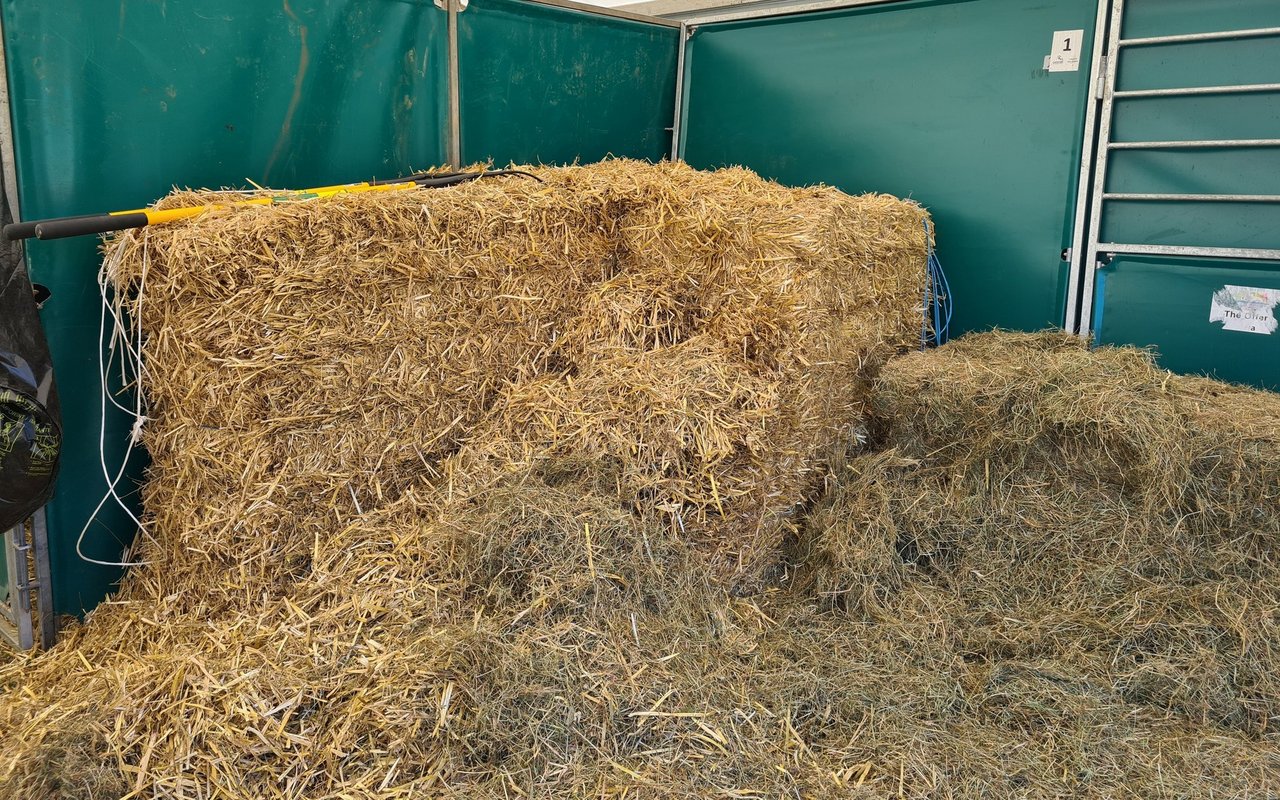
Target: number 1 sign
1065,54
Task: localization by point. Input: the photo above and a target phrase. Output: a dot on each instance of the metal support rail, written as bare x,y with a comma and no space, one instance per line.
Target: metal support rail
1191,91
454,90
1114,248
1093,106
677,120
605,11
1105,114
44,580
1192,144
1213,36
1193,198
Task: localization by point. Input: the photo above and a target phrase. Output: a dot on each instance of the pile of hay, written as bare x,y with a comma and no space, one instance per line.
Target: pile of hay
1089,547
559,490
454,490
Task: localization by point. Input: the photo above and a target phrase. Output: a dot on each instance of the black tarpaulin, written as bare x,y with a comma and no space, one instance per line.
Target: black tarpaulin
30,430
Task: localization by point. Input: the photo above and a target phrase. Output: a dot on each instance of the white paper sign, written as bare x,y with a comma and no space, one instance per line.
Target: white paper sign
1244,308
1064,55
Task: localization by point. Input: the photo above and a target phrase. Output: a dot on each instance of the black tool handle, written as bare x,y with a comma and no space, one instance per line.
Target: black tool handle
82,226
417,176
25,230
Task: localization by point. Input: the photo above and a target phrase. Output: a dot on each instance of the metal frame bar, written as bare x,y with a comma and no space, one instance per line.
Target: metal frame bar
1193,144
1213,36
1252,254
602,11
1190,91
1085,326
17,612
44,580
1087,149
677,121
7,156
765,11
454,7
9,604
454,149
1192,198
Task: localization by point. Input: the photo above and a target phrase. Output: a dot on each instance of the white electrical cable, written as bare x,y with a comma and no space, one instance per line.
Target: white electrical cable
129,357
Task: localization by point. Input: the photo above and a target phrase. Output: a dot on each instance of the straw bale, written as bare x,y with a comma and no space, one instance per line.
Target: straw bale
424,462
458,318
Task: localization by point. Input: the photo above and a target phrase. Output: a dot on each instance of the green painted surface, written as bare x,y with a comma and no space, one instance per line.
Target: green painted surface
549,85
944,101
1165,302
115,103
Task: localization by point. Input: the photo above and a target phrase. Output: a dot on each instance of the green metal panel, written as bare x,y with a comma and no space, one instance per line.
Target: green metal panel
113,104
549,85
1165,302
944,101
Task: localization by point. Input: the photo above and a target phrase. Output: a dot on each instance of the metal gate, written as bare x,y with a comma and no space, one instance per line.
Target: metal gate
1182,242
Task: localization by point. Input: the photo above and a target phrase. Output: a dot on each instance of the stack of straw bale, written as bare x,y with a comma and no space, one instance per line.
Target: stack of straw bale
405,444
419,527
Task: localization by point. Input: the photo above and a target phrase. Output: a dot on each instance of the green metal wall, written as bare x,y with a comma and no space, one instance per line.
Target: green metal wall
115,103
944,101
551,85
1164,302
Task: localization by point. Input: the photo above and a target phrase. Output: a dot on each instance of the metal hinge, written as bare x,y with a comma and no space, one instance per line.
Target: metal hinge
1101,89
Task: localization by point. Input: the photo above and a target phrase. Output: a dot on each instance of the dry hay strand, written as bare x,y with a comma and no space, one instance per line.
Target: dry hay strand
434,471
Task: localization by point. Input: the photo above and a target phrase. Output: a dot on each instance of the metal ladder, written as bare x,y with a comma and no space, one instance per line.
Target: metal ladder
1107,93
16,623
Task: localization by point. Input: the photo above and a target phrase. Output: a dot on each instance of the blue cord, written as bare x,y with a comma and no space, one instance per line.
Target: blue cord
937,298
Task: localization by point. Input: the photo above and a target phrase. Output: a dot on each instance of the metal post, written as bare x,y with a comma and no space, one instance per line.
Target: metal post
18,610
44,579
1087,149
455,89
677,122
7,160
1100,167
